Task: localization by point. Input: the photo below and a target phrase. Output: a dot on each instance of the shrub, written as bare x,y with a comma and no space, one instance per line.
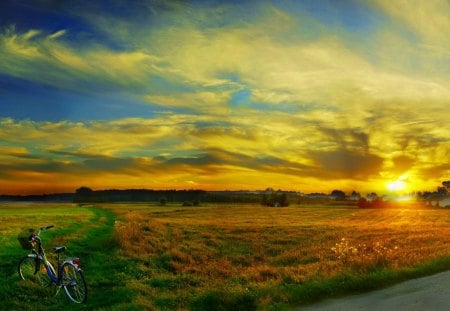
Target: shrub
163,201
364,257
363,203
275,199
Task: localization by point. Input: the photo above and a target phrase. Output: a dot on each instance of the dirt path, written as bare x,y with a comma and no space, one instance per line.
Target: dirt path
428,293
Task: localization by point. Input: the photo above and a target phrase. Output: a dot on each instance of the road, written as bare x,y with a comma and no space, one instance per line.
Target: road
430,293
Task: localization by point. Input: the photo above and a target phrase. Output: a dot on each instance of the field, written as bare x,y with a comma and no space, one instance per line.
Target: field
223,257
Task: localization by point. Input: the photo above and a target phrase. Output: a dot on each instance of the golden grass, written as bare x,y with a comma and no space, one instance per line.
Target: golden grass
186,251
173,256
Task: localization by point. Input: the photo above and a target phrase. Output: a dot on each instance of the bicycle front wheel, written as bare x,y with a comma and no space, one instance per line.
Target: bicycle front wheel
74,283
30,270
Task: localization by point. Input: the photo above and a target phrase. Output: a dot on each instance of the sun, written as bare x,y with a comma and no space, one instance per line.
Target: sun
396,185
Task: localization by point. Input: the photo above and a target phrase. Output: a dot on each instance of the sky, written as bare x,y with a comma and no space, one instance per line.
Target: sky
301,95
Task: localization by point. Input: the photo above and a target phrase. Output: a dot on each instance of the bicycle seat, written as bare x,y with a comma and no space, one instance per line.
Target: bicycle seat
59,249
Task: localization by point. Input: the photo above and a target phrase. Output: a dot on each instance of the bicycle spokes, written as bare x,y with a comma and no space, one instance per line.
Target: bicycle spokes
74,284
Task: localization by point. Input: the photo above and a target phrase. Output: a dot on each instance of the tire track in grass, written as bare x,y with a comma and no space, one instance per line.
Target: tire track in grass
96,245
94,242
12,293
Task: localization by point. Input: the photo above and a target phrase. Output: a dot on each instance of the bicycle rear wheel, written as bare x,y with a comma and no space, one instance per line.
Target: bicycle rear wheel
74,283
28,271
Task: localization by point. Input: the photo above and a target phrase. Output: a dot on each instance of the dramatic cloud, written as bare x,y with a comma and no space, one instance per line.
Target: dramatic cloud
220,95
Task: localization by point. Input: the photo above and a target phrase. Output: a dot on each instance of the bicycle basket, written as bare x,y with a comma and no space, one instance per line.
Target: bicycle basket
24,238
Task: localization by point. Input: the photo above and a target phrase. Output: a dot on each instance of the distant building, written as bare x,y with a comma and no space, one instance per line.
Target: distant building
444,202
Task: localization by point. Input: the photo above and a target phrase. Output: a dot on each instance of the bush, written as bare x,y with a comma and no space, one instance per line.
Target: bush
275,199
163,201
363,203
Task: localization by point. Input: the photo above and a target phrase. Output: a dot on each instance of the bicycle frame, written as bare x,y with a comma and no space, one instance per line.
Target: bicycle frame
67,275
55,276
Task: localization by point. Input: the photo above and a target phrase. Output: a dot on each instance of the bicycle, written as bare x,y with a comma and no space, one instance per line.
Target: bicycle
36,268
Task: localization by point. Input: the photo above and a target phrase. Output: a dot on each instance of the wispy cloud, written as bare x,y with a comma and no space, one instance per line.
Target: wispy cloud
276,94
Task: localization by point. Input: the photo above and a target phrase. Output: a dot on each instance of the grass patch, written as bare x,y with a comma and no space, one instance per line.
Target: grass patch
295,260
218,300
88,233
275,257
224,257
173,282
287,295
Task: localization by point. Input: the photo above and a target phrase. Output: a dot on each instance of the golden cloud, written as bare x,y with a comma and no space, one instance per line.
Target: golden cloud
318,107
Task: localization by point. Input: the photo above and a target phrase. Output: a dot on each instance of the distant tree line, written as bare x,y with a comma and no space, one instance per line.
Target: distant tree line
269,197
85,194
56,197
188,197
232,197
440,192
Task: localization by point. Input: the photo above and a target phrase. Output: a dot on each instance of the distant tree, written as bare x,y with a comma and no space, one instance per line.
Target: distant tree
163,201
264,200
355,195
442,190
284,199
338,195
83,194
372,196
275,199
446,184
83,191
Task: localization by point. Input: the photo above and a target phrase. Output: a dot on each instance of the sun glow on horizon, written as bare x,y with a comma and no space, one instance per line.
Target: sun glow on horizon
397,185
229,95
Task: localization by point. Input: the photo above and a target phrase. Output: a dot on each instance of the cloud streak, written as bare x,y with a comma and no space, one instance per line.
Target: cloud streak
250,95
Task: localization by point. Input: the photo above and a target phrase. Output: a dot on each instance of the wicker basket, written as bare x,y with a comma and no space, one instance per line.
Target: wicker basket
24,238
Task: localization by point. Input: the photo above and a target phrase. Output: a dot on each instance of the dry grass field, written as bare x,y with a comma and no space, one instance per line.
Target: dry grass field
245,255
224,257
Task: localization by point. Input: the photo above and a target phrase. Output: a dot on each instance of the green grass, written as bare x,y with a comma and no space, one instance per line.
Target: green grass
222,257
350,283
88,234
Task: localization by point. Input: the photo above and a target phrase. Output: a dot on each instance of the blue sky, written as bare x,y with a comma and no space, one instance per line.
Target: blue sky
301,95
